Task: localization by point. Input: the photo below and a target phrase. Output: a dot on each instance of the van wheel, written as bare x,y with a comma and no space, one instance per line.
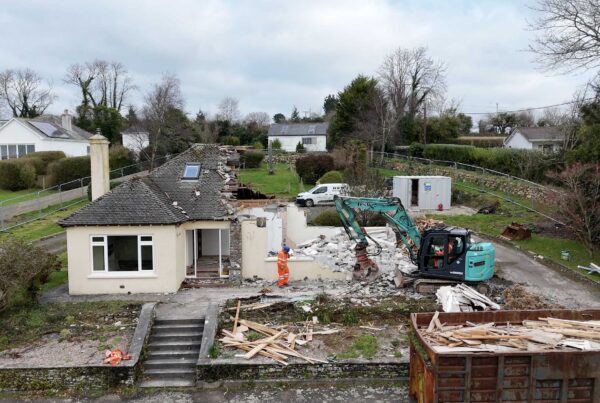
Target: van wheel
309,203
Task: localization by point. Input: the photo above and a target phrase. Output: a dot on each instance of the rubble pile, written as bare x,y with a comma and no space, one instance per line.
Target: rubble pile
337,252
462,298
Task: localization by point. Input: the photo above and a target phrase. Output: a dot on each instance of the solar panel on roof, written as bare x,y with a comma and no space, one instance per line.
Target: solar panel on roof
49,129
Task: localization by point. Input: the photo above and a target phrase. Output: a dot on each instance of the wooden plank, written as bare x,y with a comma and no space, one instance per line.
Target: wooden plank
254,351
432,323
237,316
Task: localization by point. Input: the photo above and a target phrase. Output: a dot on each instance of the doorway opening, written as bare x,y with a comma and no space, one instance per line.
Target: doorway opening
207,253
414,192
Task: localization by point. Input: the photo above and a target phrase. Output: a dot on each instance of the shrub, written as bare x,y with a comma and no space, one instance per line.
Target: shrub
300,148
312,167
484,142
23,267
120,157
276,144
252,159
17,174
67,170
257,145
231,141
416,150
42,159
328,218
331,177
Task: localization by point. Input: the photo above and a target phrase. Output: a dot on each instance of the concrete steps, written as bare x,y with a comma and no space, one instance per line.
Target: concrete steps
172,353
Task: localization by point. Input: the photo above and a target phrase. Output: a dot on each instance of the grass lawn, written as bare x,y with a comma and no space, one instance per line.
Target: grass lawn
284,183
23,195
43,227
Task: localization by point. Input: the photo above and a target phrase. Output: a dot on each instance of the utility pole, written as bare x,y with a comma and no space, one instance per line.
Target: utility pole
270,157
425,122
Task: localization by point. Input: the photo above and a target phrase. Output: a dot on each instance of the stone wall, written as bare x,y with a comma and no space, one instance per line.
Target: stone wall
86,378
210,370
235,250
504,184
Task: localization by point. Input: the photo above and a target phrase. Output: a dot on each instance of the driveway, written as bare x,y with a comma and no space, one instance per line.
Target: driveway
518,267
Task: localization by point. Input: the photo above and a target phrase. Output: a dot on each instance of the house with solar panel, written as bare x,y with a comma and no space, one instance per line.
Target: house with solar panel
21,136
313,136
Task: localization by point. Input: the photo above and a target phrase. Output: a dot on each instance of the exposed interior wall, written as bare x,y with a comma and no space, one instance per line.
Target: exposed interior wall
210,242
297,229
258,264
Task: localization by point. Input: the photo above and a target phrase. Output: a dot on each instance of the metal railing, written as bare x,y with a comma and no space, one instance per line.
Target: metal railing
29,207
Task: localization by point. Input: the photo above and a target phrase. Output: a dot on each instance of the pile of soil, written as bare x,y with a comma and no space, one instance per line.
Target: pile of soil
517,298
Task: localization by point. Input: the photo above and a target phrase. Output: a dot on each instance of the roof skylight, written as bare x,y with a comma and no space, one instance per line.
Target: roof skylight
191,171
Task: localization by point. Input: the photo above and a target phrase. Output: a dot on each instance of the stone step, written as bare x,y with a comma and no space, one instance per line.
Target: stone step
170,373
190,321
172,354
168,383
164,330
174,345
181,326
170,363
183,337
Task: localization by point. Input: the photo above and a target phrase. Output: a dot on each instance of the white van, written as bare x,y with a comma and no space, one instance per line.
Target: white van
321,194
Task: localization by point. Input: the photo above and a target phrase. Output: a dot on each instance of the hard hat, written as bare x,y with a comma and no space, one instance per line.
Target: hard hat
286,248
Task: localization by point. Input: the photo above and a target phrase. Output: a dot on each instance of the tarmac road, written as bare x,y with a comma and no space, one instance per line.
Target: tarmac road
518,267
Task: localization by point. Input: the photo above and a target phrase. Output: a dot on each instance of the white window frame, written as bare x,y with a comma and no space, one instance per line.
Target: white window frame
17,153
104,244
307,141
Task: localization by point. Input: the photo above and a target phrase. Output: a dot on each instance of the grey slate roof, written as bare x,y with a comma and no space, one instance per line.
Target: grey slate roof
547,133
75,134
298,129
163,197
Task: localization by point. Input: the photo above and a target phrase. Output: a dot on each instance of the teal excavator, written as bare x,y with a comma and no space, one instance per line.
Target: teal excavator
443,255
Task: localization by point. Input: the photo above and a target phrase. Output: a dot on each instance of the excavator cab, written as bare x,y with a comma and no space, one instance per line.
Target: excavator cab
447,253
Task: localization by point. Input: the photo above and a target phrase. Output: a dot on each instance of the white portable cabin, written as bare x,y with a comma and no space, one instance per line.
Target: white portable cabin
423,192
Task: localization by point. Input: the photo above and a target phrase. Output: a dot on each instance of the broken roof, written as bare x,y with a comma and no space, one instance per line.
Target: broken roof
298,129
163,197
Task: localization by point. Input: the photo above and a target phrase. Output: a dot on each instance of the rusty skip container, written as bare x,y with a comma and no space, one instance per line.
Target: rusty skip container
522,376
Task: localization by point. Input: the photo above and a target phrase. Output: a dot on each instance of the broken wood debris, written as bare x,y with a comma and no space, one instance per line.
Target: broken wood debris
278,344
462,298
252,307
544,334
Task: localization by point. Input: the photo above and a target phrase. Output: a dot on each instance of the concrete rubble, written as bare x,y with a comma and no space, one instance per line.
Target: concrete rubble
337,252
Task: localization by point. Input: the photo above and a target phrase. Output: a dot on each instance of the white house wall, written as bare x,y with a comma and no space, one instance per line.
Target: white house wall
15,132
518,141
289,143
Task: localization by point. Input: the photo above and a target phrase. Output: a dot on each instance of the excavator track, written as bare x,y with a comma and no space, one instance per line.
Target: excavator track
430,286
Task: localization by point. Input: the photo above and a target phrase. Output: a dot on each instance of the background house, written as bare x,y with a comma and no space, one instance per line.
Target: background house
313,136
20,136
135,138
546,139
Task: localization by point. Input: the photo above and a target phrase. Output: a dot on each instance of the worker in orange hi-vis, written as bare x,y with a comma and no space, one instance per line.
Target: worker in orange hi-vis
282,267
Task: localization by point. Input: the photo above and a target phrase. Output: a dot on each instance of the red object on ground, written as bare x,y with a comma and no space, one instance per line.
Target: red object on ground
115,356
440,207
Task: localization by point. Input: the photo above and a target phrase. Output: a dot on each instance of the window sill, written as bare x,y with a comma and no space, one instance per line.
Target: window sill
112,275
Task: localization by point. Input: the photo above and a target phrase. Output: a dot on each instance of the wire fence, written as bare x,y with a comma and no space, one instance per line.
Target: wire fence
26,208
533,204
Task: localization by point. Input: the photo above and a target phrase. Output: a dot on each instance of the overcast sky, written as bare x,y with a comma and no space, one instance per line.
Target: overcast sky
272,55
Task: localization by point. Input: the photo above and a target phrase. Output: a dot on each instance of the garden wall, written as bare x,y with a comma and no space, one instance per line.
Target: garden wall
86,378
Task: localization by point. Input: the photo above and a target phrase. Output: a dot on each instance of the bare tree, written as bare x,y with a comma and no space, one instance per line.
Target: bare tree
159,101
229,109
580,203
25,93
260,119
101,83
408,79
568,34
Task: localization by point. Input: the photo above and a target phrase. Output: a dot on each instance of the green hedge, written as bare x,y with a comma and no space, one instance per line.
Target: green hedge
42,159
331,177
484,142
311,167
328,218
68,169
252,159
17,174
526,164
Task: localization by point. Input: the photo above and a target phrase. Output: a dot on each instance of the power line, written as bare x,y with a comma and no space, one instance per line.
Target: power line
529,109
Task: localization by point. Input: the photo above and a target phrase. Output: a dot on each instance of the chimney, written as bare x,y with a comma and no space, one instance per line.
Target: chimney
99,162
66,120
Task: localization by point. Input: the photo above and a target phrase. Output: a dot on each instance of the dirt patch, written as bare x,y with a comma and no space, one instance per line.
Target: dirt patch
550,228
517,298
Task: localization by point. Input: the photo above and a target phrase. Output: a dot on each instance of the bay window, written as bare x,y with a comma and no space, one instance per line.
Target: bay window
122,253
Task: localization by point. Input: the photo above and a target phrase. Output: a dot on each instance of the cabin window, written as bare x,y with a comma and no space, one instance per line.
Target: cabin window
122,253
191,171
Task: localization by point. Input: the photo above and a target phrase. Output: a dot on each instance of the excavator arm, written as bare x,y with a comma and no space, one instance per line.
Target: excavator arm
390,208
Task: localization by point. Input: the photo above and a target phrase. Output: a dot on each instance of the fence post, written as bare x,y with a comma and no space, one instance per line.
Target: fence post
81,186
121,172
60,199
39,204
2,214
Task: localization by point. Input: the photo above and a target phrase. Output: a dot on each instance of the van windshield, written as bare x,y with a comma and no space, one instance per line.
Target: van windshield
313,189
